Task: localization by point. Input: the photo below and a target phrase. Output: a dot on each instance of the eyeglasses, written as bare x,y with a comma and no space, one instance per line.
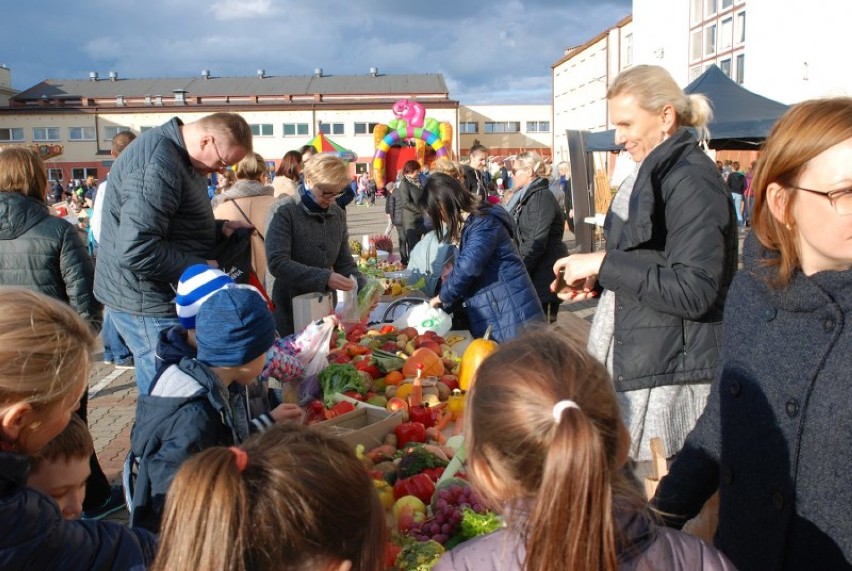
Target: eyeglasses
330,195
222,164
841,200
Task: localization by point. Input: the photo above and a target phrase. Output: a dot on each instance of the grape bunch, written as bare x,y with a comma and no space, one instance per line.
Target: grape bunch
447,515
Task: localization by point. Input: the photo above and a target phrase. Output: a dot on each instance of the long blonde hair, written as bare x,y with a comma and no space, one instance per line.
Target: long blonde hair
564,471
22,171
655,88
45,349
301,500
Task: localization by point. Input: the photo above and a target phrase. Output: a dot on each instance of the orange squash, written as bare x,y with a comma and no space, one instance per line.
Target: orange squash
473,356
432,364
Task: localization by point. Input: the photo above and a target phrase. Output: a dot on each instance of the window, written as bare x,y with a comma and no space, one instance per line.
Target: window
726,33
331,128
11,134
725,66
695,45
538,126
739,33
81,134
84,173
709,7
727,4
364,128
740,68
695,12
694,72
261,129
502,126
144,128
628,50
468,127
294,129
54,174
710,40
45,133
110,132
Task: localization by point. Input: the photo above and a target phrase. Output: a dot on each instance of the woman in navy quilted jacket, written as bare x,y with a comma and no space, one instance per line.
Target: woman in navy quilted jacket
488,275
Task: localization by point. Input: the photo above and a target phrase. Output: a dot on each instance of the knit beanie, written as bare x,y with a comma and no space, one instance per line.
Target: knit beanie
234,327
196,284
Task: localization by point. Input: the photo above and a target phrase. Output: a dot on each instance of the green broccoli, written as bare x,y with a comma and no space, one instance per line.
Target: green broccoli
419,555
474,524
415,459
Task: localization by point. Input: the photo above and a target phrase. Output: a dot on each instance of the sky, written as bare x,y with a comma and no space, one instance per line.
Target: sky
497,51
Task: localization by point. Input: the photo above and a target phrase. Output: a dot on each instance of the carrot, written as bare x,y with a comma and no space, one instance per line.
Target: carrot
443,421
459,426
432,433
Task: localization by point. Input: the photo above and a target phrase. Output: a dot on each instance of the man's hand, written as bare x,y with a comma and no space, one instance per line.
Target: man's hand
285,412
230,225
339,281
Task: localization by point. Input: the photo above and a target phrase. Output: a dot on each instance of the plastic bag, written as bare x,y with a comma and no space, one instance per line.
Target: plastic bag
313,346
350,313
368,297
424,318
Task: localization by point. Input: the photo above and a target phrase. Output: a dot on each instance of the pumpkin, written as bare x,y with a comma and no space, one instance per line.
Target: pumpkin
433,366
473,356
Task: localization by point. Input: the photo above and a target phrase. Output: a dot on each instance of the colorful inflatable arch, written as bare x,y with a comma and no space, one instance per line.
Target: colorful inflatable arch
411,123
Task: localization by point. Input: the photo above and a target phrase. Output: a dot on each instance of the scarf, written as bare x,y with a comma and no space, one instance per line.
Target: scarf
309,202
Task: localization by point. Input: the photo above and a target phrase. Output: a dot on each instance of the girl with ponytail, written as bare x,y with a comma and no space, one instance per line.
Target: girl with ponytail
547,449
290,499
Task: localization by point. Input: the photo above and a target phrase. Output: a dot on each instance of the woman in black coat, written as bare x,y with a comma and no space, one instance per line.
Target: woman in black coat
541,223
776,436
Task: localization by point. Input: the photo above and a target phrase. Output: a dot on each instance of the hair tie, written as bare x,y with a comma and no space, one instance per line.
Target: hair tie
241,458
561,407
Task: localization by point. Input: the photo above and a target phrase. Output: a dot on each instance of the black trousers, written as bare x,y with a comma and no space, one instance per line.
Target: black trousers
97,486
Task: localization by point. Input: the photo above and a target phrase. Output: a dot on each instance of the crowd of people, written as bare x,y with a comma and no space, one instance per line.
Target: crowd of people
736,362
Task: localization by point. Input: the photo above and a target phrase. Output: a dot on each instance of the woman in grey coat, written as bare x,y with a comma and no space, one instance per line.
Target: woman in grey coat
776,436
307,242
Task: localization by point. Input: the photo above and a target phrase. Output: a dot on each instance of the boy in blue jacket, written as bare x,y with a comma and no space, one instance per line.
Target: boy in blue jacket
196,402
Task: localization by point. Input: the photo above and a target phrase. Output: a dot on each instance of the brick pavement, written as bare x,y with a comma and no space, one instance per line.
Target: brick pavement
112,392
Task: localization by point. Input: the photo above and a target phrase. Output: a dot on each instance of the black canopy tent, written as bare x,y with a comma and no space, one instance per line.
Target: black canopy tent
741,119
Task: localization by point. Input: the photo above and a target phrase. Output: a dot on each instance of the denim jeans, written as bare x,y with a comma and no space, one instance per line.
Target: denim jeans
141,333
115,349
738,206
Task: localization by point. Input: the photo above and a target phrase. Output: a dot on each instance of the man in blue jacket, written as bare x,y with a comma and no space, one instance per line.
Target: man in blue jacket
157,221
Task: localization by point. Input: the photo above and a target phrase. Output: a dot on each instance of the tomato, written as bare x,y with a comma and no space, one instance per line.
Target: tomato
434,473
387,329
410,432
368,367
353,349
315,412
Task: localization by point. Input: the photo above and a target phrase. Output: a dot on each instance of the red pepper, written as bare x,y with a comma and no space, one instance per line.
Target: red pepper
353,349
387,329
391,553
434,473
315,412
370,368
422,414
353,395
409,432
420,486
340,408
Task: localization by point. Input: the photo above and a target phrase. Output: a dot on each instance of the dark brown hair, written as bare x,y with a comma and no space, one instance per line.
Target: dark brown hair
566,471
410,167
121,140
805,131
73,443
291,164
302,501
446,200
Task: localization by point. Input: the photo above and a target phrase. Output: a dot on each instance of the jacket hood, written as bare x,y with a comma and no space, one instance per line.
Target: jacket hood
243,189
19,213
502,216
173,345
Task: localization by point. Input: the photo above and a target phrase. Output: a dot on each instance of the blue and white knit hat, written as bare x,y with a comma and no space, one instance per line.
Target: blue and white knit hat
196,284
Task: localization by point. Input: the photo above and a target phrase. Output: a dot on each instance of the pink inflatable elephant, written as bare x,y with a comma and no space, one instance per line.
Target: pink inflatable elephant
410,111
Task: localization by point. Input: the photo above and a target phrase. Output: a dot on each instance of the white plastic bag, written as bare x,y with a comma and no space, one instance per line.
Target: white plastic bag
424,318
313,345
350,313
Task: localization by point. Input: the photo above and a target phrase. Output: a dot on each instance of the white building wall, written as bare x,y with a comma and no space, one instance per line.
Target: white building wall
523,114
661,35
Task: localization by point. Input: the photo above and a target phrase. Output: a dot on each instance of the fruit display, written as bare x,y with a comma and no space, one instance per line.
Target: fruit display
383,242
473,356
355,247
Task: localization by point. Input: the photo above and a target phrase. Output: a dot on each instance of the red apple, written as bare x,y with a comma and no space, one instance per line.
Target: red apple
452,381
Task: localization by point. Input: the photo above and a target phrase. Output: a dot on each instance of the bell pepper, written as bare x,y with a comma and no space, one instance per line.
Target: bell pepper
368,367
314,412
410,432
420,486
422,414
385,493
434,473
387,329
340,408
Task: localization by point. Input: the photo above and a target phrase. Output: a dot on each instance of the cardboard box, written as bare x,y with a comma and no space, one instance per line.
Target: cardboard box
367,426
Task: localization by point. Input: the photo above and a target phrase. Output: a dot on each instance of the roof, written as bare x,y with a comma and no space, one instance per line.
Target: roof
378,85
741,119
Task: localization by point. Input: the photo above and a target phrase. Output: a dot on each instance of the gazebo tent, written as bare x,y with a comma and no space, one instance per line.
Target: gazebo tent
741,119
325,145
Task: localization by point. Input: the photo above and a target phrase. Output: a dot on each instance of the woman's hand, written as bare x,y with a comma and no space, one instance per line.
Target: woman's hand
339,281
435,301
230,225
577,276
286,411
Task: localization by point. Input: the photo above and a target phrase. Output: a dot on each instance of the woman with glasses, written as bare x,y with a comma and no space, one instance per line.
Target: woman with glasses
541,223
307,242
671,253
776,436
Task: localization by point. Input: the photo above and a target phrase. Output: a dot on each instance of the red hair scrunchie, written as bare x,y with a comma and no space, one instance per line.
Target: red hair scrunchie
241,458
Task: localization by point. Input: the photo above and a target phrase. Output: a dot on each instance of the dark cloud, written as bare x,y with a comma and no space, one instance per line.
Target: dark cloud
498,51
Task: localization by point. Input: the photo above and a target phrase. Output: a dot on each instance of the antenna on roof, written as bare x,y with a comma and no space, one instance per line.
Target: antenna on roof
374,71
113,75
205,73
317,72
261,73
93,75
